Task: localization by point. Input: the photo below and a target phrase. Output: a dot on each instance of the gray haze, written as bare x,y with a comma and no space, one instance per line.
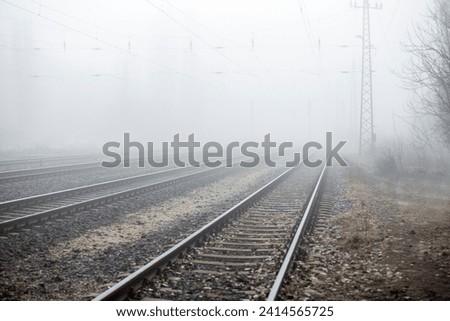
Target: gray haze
76,74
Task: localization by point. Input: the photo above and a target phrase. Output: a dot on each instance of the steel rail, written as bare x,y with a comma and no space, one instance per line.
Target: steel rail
299,232
32,200
128,285
17,174
4,162
26,219
47,170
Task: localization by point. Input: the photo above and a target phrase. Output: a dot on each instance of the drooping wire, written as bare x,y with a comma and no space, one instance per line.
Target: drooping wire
385,39
194,34
108,30
78,19
308,32
202,25
85,34
92,72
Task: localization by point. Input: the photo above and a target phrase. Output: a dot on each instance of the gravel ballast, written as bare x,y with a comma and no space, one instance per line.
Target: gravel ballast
76,257
388,239
16,189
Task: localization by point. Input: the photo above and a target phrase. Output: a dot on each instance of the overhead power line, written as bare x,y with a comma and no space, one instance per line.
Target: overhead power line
95,38
308,30
33,52
78,19
193,33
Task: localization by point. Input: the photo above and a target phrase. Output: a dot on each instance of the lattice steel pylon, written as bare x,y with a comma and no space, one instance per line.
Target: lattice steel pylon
366,133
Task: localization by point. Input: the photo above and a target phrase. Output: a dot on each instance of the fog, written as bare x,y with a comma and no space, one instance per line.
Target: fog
77,74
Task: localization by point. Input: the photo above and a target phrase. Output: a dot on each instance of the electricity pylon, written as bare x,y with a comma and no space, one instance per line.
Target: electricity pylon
366,133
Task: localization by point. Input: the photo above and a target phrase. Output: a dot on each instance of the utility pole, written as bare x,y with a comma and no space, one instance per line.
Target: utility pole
366,134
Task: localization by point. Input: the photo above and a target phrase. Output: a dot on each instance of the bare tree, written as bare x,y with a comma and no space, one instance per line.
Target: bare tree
427,74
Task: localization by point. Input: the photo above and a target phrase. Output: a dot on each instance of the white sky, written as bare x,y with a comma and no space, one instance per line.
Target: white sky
80,73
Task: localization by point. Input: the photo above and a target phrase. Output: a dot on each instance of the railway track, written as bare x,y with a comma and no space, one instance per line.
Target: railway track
25,211
37,162
45,171
20,174
245,253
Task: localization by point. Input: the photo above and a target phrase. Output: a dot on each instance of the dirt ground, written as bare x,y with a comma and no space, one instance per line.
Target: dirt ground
387,239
